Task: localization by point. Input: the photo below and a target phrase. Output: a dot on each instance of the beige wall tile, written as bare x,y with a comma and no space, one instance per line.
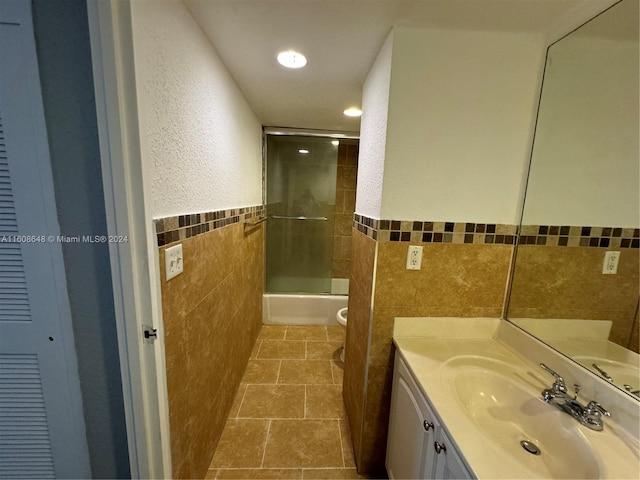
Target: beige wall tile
336,333
303,443
337,369
212,314
567,282
273,401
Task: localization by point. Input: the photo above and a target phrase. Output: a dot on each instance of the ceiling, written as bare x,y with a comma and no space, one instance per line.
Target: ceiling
341,39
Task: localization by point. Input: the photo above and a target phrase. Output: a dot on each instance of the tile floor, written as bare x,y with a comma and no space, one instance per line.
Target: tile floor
288,420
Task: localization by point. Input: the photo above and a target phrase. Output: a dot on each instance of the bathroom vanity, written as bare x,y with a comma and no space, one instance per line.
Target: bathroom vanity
467,402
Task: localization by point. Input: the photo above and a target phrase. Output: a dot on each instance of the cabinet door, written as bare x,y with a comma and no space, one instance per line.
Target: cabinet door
411,430
449,465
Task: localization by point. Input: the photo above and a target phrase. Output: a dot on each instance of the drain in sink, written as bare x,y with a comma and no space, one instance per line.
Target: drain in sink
530,447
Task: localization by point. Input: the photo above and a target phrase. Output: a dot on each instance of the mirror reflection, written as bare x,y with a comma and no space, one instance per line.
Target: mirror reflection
576,277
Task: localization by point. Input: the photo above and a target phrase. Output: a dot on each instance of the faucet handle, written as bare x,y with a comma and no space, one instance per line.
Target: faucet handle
559,384
594,408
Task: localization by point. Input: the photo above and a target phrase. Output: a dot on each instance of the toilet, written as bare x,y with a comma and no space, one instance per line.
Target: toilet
341,318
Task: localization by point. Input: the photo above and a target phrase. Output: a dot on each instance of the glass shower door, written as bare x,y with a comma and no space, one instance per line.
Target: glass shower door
301,192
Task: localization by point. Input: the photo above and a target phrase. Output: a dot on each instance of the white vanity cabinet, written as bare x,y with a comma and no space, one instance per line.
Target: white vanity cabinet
416,436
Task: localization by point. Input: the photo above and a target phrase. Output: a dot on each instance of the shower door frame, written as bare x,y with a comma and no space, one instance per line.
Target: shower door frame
296,132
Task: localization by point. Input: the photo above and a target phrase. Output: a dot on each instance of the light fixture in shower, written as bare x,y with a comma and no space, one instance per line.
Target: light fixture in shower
353,112
335,143
303,151
291,59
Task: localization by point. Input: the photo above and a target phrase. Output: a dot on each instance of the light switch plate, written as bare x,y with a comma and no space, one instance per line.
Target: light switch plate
174,263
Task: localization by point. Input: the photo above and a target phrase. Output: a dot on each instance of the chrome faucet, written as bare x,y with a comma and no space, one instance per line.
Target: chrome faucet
589,415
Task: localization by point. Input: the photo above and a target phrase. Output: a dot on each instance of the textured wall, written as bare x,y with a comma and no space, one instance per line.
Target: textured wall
373,133
64,58
461,115
212,314
201,142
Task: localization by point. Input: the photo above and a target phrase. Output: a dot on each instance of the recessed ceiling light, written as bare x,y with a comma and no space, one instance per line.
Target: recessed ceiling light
291,59
352,112
303,151
335,142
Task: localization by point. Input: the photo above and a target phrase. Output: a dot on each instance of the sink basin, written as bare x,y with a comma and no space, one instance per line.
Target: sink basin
622,373
499,402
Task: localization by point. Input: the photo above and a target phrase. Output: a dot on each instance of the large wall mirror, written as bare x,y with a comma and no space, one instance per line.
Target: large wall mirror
581,215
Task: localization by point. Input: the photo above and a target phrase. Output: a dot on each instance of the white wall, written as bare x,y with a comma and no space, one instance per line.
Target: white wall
373,133
201,142
460,120
585,168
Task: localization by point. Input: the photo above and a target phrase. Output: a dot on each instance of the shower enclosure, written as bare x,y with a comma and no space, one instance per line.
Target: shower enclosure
305,207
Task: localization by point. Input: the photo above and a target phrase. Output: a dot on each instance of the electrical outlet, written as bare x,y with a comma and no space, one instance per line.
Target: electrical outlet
610,264
174,263
414,257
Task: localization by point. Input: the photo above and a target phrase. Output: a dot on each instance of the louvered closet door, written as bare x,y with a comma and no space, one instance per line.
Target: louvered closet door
41,424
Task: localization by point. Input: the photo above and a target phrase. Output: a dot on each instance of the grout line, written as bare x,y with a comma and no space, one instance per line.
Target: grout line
305,402
259,348
286,329
278,376
333,378
266,440
344,464
306,346
242,401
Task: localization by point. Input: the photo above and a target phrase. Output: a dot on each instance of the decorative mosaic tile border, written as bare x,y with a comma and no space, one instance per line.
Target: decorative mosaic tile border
435,232
579,236
174,229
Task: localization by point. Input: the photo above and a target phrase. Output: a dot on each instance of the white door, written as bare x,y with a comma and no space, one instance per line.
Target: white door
42,431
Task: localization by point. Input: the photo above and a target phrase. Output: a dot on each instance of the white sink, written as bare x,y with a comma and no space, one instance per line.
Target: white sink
505,404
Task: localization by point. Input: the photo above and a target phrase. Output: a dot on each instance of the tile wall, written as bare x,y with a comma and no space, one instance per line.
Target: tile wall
211,315
347,173
464,273
559,275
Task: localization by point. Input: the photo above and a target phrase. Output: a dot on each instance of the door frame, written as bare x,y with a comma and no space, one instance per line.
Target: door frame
133,262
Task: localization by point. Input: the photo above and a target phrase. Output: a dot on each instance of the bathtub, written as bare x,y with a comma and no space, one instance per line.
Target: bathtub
301,309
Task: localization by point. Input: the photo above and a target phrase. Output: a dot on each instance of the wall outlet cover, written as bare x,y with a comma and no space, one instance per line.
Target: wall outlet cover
414,257
610,264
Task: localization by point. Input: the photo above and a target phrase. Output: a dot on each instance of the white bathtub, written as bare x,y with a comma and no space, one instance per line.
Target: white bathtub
296,309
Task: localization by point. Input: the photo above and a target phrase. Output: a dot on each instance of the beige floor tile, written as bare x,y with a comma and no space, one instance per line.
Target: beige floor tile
330,473
303,444
337,368
347,446
323,350
305,372
336,333
237,401
260,473
242,444
273,401
261,371
306,332
272,332
324,401
278,349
